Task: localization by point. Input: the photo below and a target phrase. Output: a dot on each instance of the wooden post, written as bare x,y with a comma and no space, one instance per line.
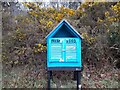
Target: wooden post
49,76
78,79
75,75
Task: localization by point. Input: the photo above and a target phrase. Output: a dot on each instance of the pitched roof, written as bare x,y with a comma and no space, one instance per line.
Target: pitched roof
57,28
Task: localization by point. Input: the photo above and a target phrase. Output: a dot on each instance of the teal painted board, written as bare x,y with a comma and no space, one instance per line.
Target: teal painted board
71,50
64,47
64,50
55,50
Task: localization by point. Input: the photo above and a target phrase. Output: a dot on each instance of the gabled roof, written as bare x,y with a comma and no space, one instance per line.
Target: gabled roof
57,28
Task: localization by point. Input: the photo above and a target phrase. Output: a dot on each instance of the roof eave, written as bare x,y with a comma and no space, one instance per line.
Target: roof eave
73,29
53,29
68,24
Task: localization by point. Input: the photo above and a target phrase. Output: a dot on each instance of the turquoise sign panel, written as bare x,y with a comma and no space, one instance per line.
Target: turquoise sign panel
64,50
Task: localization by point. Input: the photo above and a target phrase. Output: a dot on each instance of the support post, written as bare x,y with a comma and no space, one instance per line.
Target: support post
78,80
49,77
75,75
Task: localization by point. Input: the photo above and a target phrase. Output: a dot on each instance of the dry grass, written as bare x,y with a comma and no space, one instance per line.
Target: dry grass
29,77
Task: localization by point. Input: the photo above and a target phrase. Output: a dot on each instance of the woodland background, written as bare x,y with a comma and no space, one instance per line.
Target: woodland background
24,44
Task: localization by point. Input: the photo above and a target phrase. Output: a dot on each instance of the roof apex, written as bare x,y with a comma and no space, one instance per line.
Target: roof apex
64,20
